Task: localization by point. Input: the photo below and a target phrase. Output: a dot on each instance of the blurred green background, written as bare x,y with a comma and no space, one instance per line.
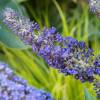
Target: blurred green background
71,18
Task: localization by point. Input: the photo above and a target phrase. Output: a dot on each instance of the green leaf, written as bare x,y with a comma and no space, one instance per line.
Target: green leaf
7,37
88,96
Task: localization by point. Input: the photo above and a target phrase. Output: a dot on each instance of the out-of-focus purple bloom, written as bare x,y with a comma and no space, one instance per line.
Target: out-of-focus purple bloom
15,88
95,6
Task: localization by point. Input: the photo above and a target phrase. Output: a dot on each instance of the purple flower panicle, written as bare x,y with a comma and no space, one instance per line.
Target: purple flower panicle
15,88
66,54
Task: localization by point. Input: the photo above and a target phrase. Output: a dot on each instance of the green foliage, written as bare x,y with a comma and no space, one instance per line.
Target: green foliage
74,21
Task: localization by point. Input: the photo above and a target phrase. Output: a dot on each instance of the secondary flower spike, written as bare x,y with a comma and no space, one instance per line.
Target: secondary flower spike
66,54
95,6
15,88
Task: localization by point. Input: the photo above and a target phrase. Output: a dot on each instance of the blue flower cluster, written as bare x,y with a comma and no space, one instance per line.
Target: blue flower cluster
95,6
15,88
66,54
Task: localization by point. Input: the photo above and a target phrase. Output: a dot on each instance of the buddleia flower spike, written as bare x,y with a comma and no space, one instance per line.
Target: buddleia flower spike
68,55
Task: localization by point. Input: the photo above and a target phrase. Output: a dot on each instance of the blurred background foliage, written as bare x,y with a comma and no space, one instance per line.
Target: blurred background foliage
71,18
